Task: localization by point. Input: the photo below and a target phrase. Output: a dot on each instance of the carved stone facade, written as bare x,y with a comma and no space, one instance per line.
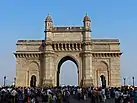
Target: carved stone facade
43,58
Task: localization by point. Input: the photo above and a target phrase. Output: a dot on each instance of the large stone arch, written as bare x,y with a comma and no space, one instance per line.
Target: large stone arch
61,60
65,58
102,69
33,70
72,55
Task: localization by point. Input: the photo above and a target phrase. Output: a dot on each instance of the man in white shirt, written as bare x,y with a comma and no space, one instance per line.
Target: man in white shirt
117,96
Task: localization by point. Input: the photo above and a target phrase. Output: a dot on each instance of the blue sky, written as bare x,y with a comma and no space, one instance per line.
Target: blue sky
24,19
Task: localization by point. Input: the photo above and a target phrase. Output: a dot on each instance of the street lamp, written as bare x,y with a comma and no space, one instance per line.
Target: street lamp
4,80
133,80
124,81
14,81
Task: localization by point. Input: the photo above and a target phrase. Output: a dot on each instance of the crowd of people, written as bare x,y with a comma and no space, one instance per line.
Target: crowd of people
64,94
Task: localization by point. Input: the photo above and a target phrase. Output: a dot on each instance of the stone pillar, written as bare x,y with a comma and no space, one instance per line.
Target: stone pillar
115,72
87,69
48,68
48,65
21,65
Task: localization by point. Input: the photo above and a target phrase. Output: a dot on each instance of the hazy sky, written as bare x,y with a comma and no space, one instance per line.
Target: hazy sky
24,19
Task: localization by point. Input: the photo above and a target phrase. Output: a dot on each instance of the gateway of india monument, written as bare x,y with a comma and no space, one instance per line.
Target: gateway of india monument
38,62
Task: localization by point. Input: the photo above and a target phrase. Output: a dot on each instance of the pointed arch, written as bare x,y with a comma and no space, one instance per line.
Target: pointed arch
33,69
65,58
61,61
101,65
102,69
33,66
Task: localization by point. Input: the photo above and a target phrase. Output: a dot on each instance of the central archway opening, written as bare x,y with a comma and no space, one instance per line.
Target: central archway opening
67,73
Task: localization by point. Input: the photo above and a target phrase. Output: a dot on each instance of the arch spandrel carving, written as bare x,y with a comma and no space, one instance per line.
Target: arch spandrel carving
33,66
102,66
104,60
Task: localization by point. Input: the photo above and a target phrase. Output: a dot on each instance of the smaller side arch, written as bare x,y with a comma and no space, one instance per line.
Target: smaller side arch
33,69
102,69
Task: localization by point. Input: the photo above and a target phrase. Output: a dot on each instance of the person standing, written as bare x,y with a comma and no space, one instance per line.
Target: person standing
54,98
67,96
135,96
14,94
49,97
93,96
117,96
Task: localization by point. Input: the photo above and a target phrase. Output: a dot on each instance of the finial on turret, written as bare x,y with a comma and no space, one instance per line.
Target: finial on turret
86,18
86,14
48,14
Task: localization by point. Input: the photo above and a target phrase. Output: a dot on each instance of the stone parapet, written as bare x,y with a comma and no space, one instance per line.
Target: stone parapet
100,41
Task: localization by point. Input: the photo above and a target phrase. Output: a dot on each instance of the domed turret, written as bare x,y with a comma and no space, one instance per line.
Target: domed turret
48,27
48,18
87,28
86,18
48,23
87,22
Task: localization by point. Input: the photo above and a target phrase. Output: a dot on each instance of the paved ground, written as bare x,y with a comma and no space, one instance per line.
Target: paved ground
88,101
73,100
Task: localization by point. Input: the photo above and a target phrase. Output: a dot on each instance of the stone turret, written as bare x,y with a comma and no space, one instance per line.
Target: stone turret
87,23
87,28
48,28
48,23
